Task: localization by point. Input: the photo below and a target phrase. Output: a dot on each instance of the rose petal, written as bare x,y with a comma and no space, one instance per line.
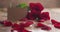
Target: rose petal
40,6
30,16
45,15
32,5
15,26
46,28
41,20
40,25
57,25
33,11
43,27
24,30
54,21
26,24
7,23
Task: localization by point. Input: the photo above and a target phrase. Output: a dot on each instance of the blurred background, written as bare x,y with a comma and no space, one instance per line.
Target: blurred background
45,3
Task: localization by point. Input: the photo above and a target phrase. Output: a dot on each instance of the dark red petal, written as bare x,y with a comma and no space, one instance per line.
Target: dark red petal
33,11
43,27
7,23
28,23
40,6
30,16
54,21
57,25
34,6
45,15
23,30
15,26
40,25
22,25
46,28
41,20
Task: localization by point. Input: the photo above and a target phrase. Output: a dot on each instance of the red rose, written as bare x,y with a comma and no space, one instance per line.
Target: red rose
7,23
57,25
30,16
45,16
54,21
32,5
36,6
33,15
33,12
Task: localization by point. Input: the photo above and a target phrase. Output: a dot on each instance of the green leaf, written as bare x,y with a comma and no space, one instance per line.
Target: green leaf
22,5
